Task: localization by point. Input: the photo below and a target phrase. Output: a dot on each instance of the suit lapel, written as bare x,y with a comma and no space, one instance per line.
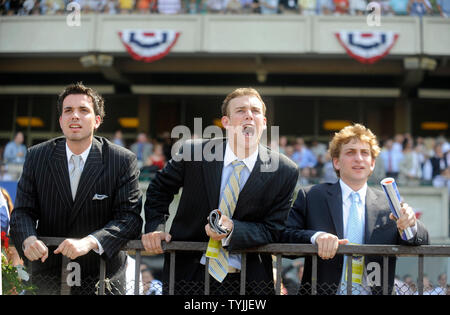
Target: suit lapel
371,213
258,177
60,173
92,169
334,200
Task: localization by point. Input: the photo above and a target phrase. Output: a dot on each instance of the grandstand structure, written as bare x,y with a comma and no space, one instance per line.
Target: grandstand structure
309,82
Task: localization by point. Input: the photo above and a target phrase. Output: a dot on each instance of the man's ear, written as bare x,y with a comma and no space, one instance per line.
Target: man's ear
225,121
98,121
336,163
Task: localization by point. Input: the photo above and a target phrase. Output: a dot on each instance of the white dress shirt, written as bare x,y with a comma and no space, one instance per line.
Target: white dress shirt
71,165
235,259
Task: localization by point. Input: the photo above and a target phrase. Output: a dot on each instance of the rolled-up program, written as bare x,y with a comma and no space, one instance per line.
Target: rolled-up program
393,196
214,222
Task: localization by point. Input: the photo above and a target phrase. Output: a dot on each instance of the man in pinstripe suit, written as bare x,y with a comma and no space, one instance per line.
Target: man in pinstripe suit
266,184
93,201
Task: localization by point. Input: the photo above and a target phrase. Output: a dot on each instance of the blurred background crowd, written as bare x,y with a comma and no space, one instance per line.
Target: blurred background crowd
303,7
412,161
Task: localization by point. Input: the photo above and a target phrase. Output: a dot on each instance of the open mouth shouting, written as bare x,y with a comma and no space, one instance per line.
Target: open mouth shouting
248,130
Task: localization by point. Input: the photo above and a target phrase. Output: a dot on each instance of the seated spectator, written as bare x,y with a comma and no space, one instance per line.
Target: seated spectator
14,155
302,156
169,6
391,159
118,138
216,6
328,172
324,7
444,8
443,179
28,6
435,164
399,7
357,7
233,7
289,7
410,170
151,285
126,6
308,7
419,7
4,175
157,158
247,6
268,6
195,6
142,148
110,7
341,7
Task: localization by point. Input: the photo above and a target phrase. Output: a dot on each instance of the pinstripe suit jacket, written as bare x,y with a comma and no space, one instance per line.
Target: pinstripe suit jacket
261,209
44,204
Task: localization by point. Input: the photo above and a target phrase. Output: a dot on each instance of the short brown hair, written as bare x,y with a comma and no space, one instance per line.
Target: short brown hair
346,134
78,88
238,93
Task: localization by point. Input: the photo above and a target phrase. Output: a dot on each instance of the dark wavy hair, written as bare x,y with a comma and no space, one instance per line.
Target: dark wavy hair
79,88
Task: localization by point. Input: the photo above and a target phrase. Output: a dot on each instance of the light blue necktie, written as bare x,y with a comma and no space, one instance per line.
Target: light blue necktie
355,226
355,235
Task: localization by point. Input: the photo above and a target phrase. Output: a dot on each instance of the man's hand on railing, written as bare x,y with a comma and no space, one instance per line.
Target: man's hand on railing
152,241
74,248
34,249
328,245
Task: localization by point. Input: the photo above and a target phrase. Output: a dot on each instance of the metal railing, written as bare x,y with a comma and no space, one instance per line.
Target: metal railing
278,250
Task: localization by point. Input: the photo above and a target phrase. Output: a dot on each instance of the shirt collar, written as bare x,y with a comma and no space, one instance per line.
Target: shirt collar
230,157
83,155
346,191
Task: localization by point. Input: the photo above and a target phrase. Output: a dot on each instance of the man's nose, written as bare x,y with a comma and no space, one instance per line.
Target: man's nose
358,156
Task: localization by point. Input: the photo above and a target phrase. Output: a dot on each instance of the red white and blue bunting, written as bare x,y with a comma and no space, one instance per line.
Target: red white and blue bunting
367,46
148,45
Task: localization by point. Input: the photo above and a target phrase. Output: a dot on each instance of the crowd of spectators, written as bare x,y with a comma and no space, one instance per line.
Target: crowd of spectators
304,7
411,161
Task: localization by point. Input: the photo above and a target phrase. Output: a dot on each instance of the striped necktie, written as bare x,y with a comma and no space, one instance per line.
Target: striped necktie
355,235
218,264
75,174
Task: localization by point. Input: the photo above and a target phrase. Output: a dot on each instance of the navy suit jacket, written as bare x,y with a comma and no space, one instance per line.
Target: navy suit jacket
319,208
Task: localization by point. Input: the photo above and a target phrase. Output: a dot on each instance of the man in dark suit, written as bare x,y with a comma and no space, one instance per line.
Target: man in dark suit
266,183
322,215
80,187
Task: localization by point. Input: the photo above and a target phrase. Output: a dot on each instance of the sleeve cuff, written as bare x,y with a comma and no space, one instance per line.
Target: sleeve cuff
100,250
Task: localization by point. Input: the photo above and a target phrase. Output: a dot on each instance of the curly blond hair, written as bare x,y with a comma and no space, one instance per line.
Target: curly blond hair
346,134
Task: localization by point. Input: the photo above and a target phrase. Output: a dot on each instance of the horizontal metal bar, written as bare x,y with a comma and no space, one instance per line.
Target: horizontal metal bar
293,249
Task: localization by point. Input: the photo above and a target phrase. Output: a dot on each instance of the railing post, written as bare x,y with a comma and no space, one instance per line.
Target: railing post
349,274
243,273
420,280
278,283
102,277
65,288
137,272
172,273
314,275
385,274
207,277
